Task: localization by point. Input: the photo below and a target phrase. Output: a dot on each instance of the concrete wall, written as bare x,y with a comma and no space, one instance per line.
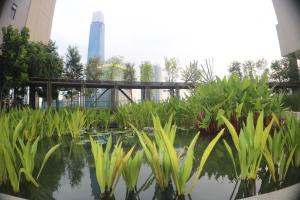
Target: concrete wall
288,27
20,17
39,19
37,15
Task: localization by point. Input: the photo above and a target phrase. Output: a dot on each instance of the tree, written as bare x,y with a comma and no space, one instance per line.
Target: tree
279,70
73,69
146,76
293,70
13,62
93,71
146,71
235,68
249,68
129,74
43,62
73,66
192,73
172,68
113,67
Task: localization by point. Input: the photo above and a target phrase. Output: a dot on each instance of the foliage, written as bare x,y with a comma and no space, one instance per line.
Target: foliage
233,98
249,69
278,160
250,145
76,122
18,157
131,170
235,68
113,66
109,166
291,130
172,69
192,73
13,60
146,71
292,100
129,73
293,70
279,70
93,72
73,68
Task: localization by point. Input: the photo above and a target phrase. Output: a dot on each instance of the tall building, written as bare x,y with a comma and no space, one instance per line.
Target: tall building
37,15
288,27
156,96
96,39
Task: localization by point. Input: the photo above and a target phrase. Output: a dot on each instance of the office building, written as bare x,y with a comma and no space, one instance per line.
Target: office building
37,15
96,39
156,93
288,27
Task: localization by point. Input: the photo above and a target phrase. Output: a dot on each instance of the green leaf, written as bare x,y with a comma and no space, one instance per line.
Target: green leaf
47,156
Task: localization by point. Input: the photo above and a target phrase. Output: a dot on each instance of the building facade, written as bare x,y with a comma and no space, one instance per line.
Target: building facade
96,38
156,93
37,15
288,27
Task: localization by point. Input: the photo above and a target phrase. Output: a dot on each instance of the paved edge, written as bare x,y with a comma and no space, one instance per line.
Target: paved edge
9,197
288,193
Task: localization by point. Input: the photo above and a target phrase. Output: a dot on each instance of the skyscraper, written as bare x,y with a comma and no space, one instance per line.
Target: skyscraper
96,39
37,15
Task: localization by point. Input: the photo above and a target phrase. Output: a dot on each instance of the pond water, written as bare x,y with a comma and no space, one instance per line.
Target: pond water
70,174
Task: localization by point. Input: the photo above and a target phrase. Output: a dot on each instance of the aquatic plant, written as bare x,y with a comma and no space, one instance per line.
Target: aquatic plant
291,129
76,121
131,170
250,145
170,161
277,158
156,153
18,158
109,166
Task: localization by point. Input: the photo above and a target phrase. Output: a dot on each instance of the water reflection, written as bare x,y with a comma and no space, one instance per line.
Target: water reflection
70,174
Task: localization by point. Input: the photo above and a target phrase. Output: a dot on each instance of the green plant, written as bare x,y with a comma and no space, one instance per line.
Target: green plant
291,129
278,160
156,153
250,145
109,166
76,120
131,170
166,161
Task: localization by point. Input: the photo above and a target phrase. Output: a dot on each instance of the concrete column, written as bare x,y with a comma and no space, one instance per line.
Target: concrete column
49,94
177,93
114,98
82,96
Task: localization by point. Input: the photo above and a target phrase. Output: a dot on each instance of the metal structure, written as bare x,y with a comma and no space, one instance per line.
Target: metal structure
81,85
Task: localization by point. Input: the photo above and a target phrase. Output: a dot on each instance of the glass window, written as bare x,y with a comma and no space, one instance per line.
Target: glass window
13,11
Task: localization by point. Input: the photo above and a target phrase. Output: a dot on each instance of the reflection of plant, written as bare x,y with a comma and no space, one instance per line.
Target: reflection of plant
249,144
108,166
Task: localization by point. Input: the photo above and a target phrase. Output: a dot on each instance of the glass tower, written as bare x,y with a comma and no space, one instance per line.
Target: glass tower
96,39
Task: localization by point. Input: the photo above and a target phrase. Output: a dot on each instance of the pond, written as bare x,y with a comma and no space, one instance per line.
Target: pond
70,174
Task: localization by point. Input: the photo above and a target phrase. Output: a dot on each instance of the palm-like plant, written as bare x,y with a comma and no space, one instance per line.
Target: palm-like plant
76,121
109,166
250,145
131,171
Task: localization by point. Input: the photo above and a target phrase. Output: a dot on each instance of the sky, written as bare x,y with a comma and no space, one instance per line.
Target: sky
144,30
